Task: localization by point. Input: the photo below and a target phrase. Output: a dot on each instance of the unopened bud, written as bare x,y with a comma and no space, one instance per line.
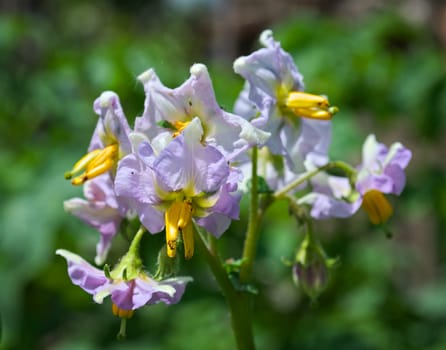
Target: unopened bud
313,278
311,268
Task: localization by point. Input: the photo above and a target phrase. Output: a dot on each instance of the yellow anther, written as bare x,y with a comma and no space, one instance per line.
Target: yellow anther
310,106
94,163
377,207
188,240
177,218
109,152
117,311
298,99
179,127
82,163
92,173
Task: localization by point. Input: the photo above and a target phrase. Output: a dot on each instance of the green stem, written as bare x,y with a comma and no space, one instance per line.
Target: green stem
349,171
252,233
134,246
212,242
122,330
239,308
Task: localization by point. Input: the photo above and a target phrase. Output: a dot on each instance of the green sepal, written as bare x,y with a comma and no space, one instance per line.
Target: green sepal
242,287
107,271
233,266
167,266
166,125
262,185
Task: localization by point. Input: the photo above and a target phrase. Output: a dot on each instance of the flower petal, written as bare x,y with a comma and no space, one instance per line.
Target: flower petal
82,273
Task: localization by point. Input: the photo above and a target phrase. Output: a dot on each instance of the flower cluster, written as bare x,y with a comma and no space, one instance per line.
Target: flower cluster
182,170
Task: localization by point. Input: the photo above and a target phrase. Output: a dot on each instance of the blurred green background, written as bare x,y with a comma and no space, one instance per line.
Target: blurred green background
383,65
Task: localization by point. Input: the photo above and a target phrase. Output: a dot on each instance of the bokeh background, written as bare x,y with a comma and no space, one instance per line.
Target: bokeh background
381,62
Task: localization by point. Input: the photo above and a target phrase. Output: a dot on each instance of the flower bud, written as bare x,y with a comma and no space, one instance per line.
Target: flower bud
312,278
310,270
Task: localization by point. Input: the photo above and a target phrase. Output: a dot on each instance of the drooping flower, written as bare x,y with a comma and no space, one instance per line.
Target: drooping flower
129,287
273,100
381,172
101,210
186,181
109,143
168,112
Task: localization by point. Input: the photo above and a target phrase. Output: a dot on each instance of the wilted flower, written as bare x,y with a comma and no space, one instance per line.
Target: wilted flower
168,112
109,143
187,180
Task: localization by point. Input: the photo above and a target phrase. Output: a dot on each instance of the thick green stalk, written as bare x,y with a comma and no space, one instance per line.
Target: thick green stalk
240,313
252,233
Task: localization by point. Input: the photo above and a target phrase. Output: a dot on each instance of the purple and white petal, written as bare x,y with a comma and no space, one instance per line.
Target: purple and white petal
112,126
215,223
82,274
325,207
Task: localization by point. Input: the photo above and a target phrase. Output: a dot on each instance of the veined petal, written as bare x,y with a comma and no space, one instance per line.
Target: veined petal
112,126
215,223
325,207
398,155
382,183
135,184
398,176
186,163
82,273
373,153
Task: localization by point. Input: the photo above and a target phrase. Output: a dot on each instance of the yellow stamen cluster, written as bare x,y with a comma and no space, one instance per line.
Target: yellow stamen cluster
121,313
93,164
310,106
179,219
179,127
377,207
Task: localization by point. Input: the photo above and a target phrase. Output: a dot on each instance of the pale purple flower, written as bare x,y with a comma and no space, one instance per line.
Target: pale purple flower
109,143
381,172
128,294
329,197
271,76
101,210
112,126
186,180
168,111
382,168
